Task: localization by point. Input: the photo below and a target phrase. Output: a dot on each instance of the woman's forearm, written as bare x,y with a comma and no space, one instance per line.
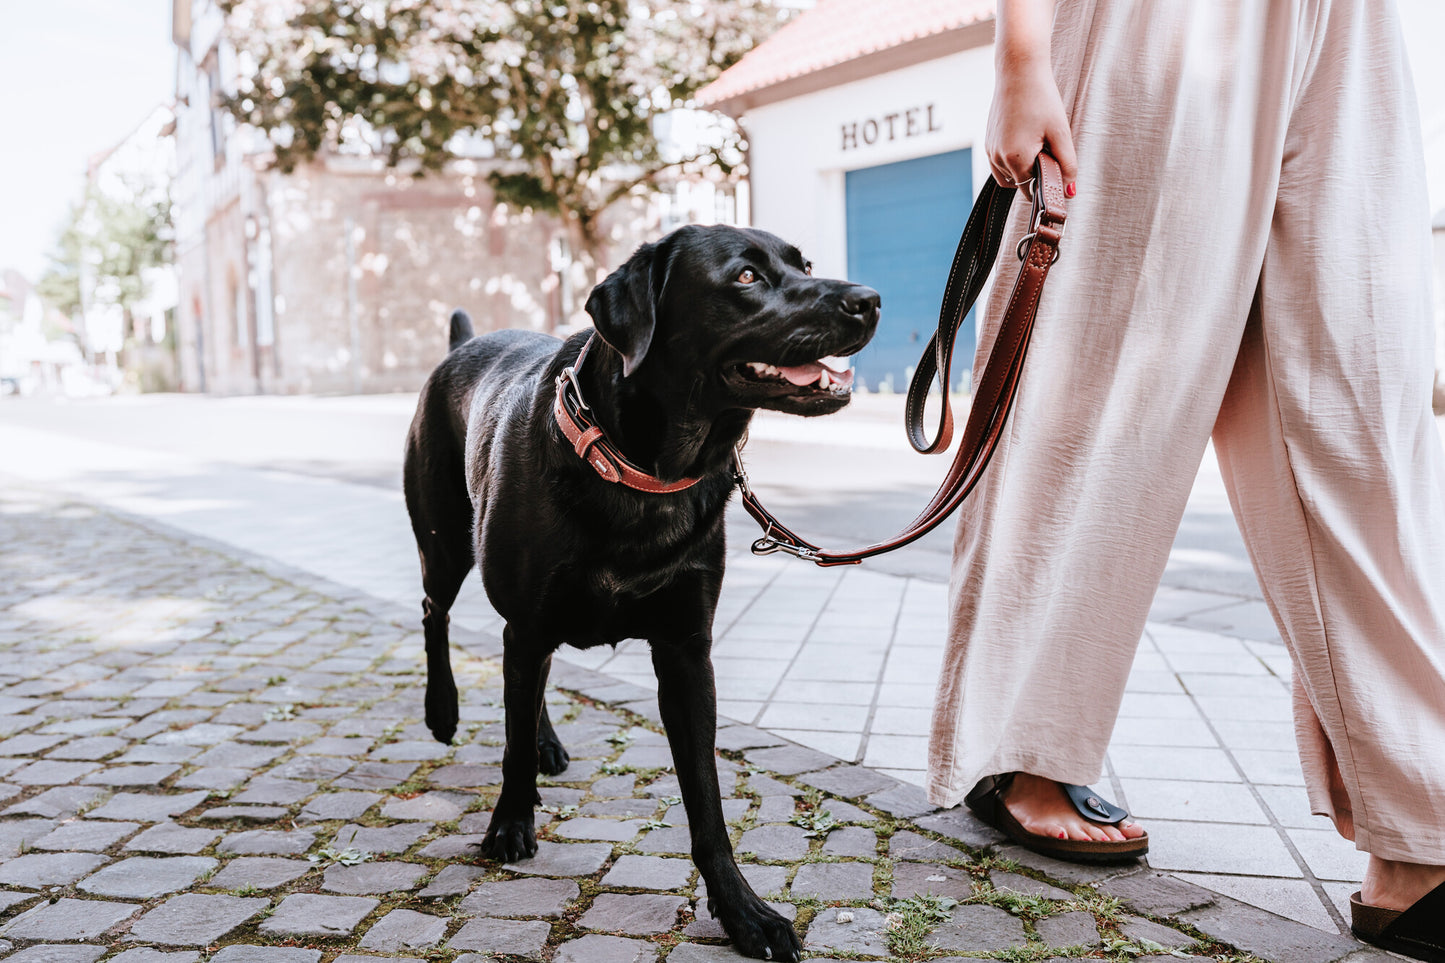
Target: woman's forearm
1026,115
1021,37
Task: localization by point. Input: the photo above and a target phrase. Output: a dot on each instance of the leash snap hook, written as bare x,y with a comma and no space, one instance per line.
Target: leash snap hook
569,377
768,546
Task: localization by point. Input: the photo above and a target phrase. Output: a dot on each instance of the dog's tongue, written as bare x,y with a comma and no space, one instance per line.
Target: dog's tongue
806,374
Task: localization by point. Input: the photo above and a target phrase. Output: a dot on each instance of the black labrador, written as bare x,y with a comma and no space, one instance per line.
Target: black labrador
696,331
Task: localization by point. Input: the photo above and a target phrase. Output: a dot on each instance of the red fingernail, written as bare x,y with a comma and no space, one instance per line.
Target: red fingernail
1070,190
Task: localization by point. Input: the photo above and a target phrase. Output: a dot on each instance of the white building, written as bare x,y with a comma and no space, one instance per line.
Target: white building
865,121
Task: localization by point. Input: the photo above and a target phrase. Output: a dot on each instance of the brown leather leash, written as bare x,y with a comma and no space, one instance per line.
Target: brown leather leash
977,250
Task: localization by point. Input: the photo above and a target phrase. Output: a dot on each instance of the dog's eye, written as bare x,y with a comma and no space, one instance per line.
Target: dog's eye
808,269
748,276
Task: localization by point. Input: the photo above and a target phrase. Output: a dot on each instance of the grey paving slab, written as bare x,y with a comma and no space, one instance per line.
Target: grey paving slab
338,805
594,948
1142,929
788,760
1069,929
524,938
147,807
268,842
848,781
834,881
388,840
171,838
85,836
1027,886
59,803
983,929
193,919
58,954
259,872
563,859
373,878
436,807
649,872
16,835
584,827
68,919
909,845
309,914
238,953
35,870
854,930
146,954
639,914
913,879
775,842
404,929
851,841
452,880
146,877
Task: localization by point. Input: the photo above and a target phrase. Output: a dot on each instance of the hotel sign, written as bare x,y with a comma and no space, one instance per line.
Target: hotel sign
898,125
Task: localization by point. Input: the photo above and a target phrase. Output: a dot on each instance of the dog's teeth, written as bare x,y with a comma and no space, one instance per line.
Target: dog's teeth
773,370
823,379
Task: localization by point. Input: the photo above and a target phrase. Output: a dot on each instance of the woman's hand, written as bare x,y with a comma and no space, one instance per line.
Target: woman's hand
1027,112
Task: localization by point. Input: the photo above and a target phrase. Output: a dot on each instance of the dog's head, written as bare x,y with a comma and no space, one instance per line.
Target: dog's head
734,318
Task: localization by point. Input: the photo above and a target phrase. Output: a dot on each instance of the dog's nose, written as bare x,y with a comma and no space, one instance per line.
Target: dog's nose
861,302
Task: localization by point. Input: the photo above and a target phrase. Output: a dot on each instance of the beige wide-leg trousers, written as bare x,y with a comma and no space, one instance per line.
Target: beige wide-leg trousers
1248,257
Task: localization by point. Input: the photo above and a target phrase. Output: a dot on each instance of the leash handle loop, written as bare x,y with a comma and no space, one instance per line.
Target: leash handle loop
995,387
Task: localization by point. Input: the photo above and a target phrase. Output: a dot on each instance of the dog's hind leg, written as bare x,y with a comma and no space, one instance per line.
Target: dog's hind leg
441,520
511,835
688,701
552,756
442,711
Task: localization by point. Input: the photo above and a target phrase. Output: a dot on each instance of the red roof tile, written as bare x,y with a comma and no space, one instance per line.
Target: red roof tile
837,31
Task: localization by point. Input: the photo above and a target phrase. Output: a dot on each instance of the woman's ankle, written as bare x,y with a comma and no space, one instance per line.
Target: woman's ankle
1395,884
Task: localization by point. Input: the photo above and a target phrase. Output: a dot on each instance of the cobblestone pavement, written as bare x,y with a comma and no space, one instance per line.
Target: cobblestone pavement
206,756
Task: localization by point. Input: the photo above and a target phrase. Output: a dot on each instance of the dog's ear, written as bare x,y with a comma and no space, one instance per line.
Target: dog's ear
624,306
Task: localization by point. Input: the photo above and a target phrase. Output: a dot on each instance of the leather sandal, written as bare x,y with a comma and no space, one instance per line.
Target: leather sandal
986,801
1417,932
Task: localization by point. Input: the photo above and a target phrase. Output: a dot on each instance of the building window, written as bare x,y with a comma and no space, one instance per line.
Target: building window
214,93
238,301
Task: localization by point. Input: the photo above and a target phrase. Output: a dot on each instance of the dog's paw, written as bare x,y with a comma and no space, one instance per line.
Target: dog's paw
759,931
442,732
552,758
508,840
442,715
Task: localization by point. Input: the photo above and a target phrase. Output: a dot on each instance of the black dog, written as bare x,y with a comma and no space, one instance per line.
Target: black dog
693,333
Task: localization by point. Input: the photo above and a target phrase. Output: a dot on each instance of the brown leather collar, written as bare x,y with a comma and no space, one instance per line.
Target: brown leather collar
592,444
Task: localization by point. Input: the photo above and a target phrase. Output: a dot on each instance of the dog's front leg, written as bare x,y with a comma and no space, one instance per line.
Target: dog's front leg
688,701
511,835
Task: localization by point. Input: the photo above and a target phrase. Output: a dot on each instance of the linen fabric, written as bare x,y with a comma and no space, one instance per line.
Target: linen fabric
1248,257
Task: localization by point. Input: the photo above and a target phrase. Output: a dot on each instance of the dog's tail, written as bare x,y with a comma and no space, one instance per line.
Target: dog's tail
461,329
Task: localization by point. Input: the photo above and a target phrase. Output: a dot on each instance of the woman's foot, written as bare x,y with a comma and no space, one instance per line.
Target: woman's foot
1041,806
1395,885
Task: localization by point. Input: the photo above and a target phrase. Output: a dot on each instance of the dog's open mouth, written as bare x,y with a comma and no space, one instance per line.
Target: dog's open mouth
831,375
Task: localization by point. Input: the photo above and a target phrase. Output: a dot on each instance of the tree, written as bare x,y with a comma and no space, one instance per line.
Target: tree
564,93
106,249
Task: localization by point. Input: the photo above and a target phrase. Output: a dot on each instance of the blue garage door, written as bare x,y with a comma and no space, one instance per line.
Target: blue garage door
903,225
